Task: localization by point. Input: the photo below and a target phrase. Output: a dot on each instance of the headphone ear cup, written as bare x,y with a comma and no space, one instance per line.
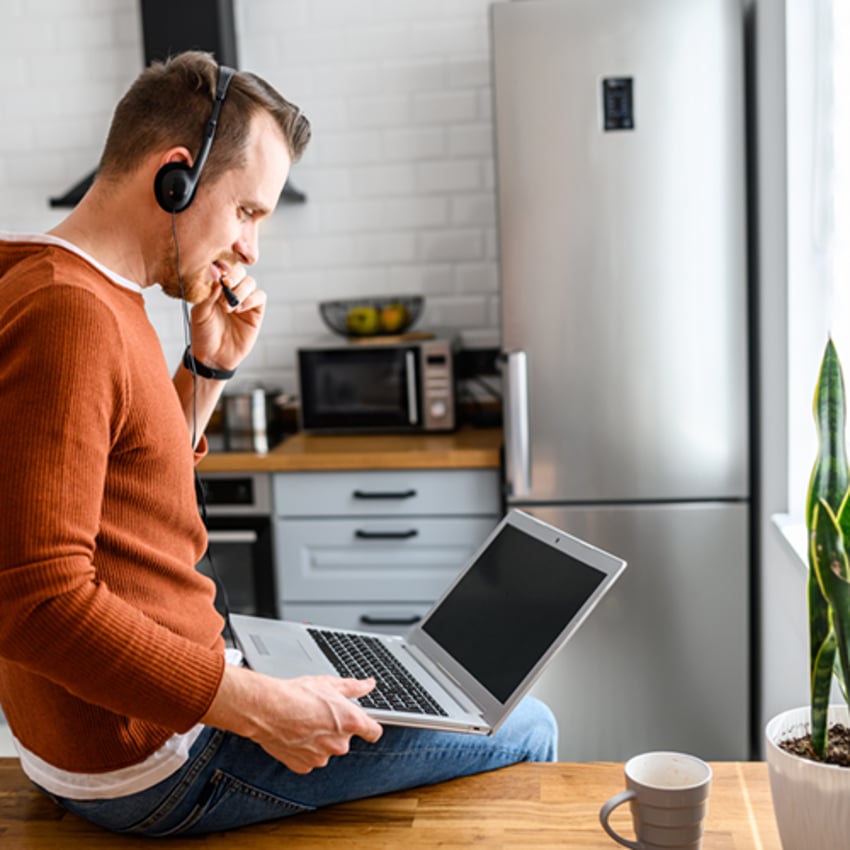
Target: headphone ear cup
174,186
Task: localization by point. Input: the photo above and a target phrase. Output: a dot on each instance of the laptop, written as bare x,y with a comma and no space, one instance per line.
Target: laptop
480,647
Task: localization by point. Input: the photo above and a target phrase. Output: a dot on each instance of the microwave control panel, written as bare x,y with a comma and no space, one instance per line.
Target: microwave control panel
438,401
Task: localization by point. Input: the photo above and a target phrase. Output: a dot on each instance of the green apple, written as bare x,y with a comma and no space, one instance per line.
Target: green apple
362,321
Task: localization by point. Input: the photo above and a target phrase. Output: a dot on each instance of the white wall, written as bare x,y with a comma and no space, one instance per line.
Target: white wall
399,175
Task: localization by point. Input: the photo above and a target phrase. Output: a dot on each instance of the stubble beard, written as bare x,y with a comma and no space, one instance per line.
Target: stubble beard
192,288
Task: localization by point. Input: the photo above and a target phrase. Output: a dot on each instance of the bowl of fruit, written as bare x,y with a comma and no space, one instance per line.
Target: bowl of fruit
372,316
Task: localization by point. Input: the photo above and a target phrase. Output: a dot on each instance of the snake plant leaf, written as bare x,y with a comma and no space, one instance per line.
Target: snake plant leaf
819,626
824,658
828,484
833,573
822,671
843,516
830,476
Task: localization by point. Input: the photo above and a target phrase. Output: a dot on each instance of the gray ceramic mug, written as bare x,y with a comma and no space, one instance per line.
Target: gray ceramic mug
668,797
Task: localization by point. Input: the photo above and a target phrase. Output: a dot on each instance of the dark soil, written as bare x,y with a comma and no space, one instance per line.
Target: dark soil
837,746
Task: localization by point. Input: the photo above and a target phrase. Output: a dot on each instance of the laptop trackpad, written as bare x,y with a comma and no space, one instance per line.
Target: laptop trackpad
286,653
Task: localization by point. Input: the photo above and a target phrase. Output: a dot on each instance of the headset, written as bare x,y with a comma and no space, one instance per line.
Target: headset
175,183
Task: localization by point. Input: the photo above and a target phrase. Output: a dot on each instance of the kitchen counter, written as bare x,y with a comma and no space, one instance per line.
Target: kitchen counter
527,805
478,448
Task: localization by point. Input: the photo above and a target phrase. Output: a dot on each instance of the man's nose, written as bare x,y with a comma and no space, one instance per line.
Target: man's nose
247,247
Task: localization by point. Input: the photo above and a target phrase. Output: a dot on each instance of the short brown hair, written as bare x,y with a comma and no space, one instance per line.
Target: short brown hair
170,103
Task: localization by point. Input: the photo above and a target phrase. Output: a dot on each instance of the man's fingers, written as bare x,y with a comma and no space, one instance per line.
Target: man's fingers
356,687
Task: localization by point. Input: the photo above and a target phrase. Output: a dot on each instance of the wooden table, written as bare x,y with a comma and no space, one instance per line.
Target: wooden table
532,806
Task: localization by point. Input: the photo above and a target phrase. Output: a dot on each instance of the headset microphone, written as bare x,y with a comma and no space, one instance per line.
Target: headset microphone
175,183
229,295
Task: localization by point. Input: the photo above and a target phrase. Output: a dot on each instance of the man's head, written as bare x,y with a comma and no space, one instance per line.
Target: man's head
169,105
160,123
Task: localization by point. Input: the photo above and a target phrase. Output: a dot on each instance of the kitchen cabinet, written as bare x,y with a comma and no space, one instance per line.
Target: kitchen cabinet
373,549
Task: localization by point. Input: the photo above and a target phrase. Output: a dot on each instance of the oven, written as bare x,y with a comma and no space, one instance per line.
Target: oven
239,527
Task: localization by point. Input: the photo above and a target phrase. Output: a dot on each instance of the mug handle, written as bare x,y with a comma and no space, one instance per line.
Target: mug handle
605,813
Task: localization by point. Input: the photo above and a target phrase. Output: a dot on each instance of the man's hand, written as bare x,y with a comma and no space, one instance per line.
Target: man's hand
301,722
223,335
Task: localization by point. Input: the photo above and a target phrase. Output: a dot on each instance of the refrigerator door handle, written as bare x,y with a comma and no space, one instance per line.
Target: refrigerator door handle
517,447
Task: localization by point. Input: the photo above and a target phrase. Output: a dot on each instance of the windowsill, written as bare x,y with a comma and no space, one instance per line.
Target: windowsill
794,533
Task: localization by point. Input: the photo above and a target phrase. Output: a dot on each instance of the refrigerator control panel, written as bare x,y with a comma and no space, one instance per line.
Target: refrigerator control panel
617,103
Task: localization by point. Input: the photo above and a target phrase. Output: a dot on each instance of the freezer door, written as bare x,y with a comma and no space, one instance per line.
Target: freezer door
623,251
663,662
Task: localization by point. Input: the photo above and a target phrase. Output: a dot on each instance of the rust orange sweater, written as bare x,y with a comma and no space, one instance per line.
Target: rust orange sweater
109,641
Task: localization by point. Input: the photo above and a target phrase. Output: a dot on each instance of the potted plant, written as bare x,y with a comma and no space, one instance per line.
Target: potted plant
808,749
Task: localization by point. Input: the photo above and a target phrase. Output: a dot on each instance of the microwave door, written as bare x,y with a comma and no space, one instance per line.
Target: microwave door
360,389
412,406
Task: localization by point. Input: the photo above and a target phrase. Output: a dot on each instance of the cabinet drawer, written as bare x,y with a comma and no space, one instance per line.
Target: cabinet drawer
386,617
439,492
373,559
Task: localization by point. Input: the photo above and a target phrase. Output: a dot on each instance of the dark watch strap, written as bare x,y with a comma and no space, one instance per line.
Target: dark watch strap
198,368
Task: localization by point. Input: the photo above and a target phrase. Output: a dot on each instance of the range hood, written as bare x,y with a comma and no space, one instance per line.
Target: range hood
170,27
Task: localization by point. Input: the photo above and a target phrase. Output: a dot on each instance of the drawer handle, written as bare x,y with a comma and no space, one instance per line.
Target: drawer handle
401,494
372,620
385,535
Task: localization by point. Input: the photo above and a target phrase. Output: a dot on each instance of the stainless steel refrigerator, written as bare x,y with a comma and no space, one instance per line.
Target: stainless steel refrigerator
620,162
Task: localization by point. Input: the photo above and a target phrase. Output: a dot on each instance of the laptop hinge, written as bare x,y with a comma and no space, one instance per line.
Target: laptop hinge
445,679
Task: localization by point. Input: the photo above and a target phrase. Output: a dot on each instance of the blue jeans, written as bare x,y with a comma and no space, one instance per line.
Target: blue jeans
230,782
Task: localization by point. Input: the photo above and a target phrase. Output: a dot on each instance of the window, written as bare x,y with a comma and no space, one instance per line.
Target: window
840,95
818,156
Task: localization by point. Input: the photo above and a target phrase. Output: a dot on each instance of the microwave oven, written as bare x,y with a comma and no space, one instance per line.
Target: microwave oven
377,385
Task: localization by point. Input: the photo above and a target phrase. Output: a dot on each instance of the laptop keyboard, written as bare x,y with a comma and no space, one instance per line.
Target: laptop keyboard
360,656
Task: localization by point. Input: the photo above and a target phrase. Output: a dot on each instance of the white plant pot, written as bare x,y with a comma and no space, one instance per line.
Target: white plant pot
811,800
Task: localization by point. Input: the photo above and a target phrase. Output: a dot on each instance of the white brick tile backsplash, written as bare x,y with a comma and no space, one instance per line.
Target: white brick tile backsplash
256,15
474,209
428,74
22,108
399,178
469,73
414,143
22,170
459,313
373,110
448,176
346,80
449,107
348,148
383,180
322,183
451,245
17,142
471,140
477,278
452,37
341,13
415,12
491,244
356,215
417,212
425,279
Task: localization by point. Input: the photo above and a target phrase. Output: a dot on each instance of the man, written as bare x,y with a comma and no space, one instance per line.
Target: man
113,673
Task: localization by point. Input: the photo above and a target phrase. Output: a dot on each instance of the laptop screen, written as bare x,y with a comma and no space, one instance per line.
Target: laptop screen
503,615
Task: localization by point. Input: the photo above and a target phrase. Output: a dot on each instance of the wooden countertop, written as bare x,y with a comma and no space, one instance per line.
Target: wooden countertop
527,805
465,448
